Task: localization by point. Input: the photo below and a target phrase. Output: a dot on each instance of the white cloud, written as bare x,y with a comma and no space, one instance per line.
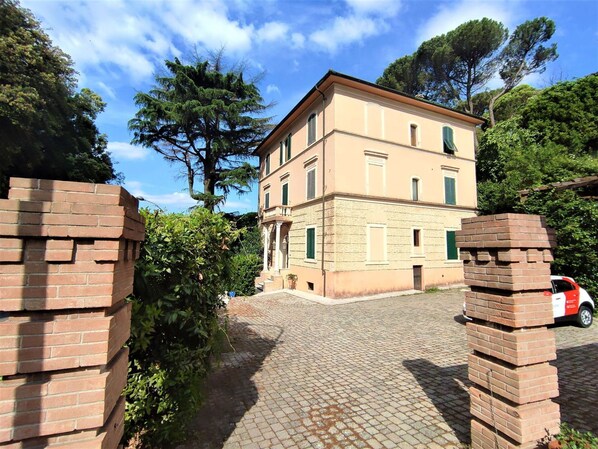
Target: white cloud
450,15
366,18
385,8
346,30
126,151
272,31
272,88
174,200
297,39
107,90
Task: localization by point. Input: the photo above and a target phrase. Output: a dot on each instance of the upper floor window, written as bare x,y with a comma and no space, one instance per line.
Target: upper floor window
267,164
266,199
285,193
415,189
450,189
285,149
413,135
447,140
311,182
311,129
287,145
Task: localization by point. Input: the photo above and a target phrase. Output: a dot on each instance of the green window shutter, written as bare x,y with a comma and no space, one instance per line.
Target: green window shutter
281,154
447,139
285,194
310,247
288,147
450,196
267,164
267,200
452,253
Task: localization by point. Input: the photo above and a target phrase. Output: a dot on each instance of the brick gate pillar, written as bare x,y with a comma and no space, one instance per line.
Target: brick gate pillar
506,263
67,254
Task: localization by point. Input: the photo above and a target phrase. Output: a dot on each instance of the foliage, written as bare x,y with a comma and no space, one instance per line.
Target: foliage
511,104
573,439
250,239
454,68
524,54
535,147
208,122
244,269
47,129
174,321
576,223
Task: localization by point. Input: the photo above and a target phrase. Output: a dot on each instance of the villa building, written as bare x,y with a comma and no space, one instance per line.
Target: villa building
361,190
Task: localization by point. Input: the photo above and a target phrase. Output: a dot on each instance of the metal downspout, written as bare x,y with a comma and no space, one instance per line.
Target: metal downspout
323,184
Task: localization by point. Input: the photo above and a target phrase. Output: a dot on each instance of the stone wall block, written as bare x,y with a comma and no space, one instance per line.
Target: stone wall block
506,263
67,257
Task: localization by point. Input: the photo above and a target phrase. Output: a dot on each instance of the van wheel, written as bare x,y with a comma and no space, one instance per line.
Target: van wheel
584,317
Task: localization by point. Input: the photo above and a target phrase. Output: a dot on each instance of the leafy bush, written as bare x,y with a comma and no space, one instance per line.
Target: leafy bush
573,439
174,321
244,269
575,221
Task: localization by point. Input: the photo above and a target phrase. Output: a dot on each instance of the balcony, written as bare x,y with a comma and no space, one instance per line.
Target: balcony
277,213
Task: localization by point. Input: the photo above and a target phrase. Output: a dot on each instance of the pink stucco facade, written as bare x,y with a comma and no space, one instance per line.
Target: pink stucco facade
368,196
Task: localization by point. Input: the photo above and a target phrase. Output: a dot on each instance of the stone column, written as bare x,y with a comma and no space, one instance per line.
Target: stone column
266,245
506,262
67,255
277,248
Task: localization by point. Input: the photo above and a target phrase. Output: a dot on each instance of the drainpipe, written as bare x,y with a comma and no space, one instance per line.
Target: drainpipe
323,184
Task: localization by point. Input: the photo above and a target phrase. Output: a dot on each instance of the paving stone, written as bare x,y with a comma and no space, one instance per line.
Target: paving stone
389,373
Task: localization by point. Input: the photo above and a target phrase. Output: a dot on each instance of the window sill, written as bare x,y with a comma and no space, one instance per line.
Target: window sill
377,263
455,261
418,255
310,260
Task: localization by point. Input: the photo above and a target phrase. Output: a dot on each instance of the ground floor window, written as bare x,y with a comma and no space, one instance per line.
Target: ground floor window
452,253
310,243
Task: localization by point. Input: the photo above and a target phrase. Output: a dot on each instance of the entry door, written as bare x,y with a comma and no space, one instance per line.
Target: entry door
417,277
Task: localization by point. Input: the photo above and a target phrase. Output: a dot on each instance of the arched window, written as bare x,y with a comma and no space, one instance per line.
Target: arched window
311,129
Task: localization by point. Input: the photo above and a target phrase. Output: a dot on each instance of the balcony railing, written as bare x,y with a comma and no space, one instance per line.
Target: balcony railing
276,211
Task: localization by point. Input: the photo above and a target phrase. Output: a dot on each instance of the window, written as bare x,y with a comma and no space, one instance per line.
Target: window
281,153
447,140
267,164
267,199
415,189
450,190
287,145
310,243
285,194
413,134
452,253
376,244
417,238
311,182
311,129
561,286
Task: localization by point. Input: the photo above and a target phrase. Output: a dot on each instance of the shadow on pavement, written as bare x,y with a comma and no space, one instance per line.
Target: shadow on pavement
446,388
577,386
230,391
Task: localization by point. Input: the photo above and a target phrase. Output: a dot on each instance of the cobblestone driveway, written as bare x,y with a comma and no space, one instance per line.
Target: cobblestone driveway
388,373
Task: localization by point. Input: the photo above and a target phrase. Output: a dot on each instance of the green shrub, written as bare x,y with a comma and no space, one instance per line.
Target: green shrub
573,439
575,220
244,269
174,321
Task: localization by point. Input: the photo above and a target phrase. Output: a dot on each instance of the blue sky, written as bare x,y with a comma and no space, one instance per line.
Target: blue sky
117,47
